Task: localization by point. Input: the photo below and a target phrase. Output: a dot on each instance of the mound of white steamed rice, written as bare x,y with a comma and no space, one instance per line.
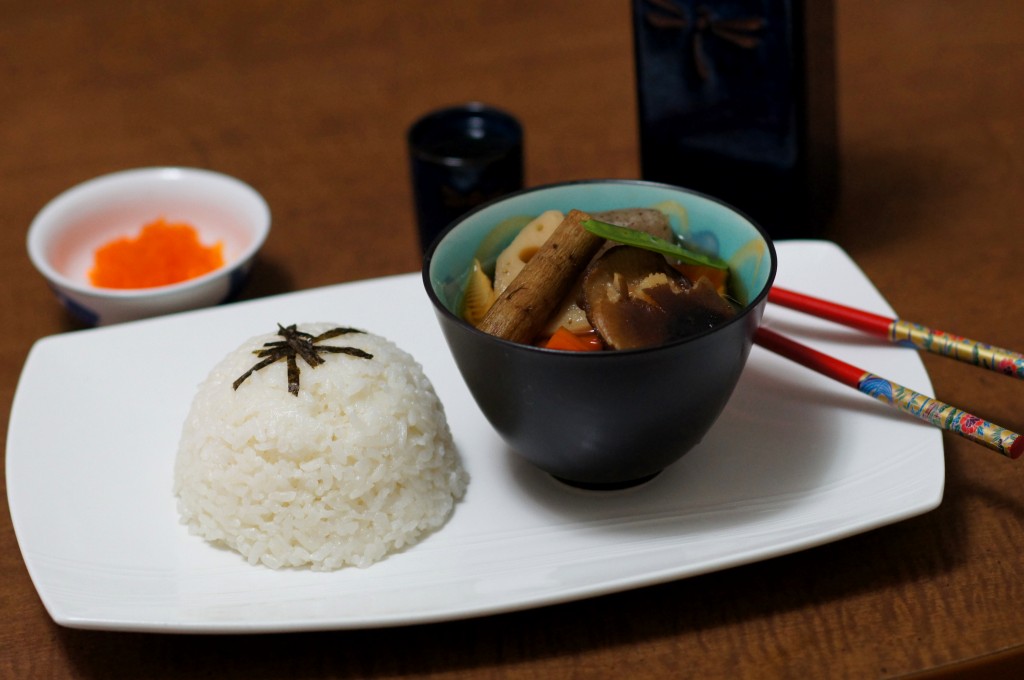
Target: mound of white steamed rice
358,465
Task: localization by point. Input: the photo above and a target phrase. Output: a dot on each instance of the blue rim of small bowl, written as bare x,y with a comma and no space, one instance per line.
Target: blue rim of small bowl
589,356
40,262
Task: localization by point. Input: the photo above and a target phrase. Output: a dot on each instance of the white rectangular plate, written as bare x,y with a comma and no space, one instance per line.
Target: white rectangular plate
795,461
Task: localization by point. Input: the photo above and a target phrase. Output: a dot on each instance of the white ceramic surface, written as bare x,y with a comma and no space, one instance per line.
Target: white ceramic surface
66,233
795,461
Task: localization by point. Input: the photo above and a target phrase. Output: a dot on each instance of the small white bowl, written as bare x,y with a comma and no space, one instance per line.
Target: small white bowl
64,236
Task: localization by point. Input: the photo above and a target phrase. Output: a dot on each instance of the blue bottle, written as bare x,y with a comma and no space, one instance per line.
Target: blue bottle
736,99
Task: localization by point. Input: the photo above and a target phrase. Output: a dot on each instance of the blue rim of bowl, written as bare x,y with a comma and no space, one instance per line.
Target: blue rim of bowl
585,356
52,274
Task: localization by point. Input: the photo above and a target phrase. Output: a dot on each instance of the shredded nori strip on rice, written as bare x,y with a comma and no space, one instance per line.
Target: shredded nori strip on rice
299,344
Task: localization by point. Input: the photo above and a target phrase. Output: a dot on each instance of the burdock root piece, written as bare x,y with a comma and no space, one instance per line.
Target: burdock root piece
522,309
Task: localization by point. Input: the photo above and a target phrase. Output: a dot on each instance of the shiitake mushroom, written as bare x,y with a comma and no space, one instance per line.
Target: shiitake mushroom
634,298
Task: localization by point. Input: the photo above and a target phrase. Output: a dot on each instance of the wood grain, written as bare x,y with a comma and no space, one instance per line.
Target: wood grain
309,102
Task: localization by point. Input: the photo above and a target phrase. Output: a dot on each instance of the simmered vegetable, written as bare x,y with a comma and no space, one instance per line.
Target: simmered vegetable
634,298
565,339
525,245
522,309
560,284
479,295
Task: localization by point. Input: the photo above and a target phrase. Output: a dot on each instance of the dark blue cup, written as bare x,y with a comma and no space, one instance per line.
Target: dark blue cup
461,157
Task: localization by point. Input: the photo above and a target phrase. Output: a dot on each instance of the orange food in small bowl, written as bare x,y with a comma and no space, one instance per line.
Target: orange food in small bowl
200,233
162,254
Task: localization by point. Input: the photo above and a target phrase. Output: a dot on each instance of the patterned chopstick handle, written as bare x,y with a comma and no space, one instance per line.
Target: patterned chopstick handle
928,409
1004,361
940,414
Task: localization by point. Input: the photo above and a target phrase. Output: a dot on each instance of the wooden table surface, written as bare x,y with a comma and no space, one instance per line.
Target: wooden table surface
309,102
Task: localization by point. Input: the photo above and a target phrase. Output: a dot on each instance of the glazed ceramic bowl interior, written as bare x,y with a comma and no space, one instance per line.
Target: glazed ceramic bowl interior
64,236
602,419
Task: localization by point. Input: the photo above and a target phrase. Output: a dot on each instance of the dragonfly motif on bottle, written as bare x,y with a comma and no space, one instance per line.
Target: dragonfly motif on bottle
741,32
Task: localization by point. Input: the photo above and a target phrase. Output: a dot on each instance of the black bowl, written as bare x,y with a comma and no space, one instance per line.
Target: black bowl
602,419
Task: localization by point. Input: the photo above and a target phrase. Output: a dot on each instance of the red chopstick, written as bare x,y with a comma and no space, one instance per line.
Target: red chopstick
928,409
904,332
